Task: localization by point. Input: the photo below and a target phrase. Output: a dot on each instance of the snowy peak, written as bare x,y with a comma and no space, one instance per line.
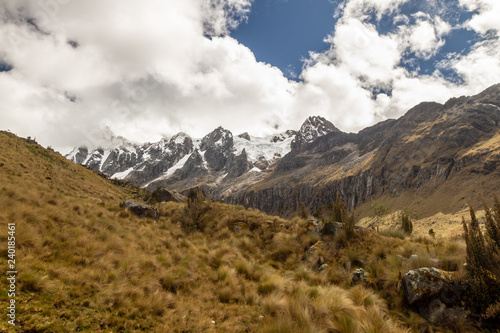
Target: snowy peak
217,147
219,139
217,158
313,128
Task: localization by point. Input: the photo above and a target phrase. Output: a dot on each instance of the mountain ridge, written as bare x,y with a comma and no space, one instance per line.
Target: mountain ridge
429,144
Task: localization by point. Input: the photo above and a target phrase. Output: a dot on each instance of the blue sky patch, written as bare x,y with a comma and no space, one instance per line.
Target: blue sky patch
282,33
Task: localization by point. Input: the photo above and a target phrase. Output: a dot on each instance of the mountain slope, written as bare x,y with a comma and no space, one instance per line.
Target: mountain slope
433,159
436,157
84,264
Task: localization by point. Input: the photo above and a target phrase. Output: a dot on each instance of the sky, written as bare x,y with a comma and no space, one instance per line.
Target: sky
72,72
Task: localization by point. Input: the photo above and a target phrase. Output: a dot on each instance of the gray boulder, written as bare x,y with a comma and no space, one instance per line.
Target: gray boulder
140,210
434,294
424,283
322,267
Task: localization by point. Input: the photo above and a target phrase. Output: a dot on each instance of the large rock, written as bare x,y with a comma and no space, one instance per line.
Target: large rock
332,228
140,210
424,283
163,195
434,294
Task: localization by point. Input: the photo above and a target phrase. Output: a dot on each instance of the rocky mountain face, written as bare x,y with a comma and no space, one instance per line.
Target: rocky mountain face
438,156
181,162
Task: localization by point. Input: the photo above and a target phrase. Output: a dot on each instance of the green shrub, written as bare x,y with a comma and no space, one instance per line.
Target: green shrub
303,212
483,261
338,212
406,224
197,206
379,209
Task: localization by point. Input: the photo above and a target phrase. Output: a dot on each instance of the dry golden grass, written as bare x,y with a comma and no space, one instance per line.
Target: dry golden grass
87,265
443,225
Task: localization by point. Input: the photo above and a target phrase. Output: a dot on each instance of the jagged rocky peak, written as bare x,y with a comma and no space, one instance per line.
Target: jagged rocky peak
217,147
78,155
220,139
313,128
178,145
181,141
239,165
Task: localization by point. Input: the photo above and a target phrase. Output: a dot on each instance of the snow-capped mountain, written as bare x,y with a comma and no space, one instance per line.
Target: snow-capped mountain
183,156
313,128
218,160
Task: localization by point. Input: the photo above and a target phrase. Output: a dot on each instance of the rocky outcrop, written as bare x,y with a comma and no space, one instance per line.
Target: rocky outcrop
238,165
161,194
434,294
140,210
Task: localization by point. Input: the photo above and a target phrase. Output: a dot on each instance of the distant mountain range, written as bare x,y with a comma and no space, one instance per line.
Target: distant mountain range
434,151
217,157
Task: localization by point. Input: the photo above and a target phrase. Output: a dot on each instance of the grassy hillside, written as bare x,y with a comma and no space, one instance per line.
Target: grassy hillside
85,264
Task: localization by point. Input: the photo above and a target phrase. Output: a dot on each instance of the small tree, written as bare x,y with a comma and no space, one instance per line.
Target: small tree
303,212
349,224
340,213
194,211
339,209
406,224
482,263
492,223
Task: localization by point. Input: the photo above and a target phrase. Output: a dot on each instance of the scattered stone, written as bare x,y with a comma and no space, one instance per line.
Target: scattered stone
322,267
413,259
360,275
261,164
317,231
312,223
403,259
140,210
237,226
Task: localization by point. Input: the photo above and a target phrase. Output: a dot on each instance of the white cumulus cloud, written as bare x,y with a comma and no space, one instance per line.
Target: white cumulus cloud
155,67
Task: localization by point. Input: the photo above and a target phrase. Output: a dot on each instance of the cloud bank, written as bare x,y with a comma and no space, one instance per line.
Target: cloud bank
155,67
